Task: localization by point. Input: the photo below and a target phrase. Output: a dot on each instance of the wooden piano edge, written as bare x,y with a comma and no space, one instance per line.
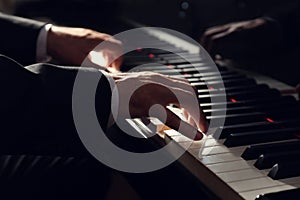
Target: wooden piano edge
204,174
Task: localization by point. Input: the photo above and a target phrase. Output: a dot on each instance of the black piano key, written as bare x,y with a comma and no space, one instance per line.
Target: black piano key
239,118
254,151
287,169
255,102
171,70
167,71
141,62
200,68
267,160
229,111
268,124
183,61
233,103
226,83
142,58
224,77
255,137
243,95
160,51
273,110
175,55
246,127
221,72
287,195
245,109
233,89
156,67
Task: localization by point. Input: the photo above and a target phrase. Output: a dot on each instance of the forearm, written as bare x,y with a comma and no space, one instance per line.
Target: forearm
19,38
58,82
36,108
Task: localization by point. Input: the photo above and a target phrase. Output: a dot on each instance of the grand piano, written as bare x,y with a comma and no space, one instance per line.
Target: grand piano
256,154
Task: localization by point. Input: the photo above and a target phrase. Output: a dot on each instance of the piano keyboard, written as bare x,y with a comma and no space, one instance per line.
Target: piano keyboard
259,147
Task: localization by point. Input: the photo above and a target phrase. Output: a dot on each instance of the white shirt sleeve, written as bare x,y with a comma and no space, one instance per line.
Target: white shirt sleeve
41,45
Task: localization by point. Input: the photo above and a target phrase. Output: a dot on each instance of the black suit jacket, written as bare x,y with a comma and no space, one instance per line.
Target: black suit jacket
18,37
36,101
36,108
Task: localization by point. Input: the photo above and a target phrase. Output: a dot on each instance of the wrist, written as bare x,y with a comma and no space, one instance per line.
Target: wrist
51,38
41,45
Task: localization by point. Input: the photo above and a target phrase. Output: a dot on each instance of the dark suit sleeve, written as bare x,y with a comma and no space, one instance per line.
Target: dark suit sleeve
36,104
18,38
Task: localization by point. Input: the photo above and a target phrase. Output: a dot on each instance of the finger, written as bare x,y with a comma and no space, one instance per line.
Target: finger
185,113
112,71
183,99
191,121
174,122
217,29
169,82
177,78
211,32
202,122
197,115
117,63
146,75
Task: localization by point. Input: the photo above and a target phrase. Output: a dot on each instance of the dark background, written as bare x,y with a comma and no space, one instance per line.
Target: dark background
191,17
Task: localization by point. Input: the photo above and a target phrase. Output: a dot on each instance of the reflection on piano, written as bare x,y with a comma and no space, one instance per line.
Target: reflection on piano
257,154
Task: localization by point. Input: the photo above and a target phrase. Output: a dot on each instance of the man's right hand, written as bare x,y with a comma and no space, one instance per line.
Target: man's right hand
152,94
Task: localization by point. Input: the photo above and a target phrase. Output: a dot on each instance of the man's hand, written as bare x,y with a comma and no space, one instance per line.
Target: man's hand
72,45
239,38
148,94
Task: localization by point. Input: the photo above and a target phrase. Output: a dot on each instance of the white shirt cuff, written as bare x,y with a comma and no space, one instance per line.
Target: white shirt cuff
41,45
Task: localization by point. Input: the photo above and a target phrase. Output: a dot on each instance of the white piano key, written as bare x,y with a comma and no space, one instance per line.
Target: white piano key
213,159
229,166
251,195
181,138
199,144
210,141
185,145
291,181
172,133
206,151
254,184
221,149
239,175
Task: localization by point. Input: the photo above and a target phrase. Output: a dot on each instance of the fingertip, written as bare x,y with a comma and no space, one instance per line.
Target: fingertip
198,136
204,126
